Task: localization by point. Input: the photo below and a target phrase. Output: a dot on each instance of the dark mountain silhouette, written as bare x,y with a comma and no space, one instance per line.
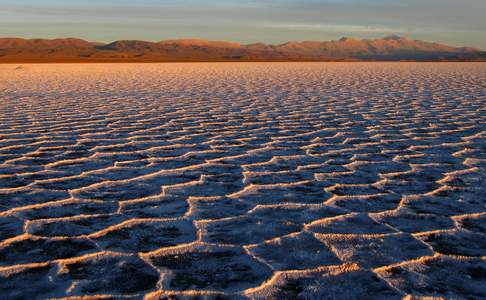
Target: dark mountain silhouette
391,48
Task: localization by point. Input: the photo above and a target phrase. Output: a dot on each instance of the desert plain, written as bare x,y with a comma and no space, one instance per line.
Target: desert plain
243,180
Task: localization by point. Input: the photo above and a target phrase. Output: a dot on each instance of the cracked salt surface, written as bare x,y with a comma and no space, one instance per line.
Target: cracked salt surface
254,180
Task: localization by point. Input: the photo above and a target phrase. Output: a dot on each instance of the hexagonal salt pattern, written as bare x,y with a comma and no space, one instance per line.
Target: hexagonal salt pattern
243,181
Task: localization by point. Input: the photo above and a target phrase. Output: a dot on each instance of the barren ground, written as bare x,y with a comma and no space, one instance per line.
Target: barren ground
258,180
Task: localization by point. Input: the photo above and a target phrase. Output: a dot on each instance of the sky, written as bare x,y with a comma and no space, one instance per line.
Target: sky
454,22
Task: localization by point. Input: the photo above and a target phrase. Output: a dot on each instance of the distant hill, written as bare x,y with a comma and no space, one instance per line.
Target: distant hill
391,48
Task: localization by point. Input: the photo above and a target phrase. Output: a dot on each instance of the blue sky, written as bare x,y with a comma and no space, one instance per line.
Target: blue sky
456,22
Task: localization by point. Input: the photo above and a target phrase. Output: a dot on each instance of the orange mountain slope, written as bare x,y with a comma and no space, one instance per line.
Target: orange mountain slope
392,48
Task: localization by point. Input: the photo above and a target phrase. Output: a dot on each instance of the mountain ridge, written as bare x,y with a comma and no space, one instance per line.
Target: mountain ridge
390,48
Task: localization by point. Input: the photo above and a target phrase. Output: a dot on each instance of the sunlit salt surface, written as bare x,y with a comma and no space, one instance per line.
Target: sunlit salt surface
278,180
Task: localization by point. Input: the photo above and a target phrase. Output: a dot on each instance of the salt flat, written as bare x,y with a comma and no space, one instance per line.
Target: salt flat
258,180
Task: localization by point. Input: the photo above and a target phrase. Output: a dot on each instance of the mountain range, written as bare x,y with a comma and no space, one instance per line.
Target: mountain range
391,48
